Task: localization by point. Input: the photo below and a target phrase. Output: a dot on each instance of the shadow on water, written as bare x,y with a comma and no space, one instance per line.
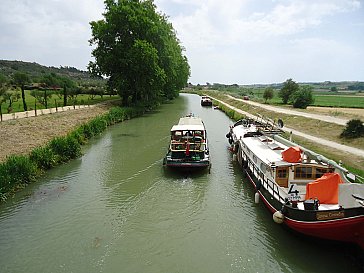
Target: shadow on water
175,173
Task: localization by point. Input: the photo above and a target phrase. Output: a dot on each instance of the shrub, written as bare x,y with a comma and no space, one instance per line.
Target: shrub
44,157
303,97
16,170
66,148
354,129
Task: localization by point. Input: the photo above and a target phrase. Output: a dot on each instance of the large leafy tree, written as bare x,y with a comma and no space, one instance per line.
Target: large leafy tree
289,87
138,51
21,79
303,97
268,94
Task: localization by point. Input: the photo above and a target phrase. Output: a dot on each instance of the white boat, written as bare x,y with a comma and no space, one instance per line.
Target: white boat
206,101
304,190
188,148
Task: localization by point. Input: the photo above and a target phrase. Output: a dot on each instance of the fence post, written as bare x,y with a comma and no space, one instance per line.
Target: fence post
35,107
1,114
55,101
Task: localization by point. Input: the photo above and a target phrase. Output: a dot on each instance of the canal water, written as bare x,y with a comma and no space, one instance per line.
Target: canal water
116,209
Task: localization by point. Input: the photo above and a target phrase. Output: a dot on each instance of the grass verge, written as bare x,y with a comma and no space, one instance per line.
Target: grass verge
18,171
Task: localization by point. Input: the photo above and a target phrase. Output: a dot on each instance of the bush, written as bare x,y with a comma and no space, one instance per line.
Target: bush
66,148
354,129
302,98
44,157
16,170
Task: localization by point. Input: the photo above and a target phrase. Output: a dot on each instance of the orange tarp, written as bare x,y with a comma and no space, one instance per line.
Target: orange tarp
325,188
292,154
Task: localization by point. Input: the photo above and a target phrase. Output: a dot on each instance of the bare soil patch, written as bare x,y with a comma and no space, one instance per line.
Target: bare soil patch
21,136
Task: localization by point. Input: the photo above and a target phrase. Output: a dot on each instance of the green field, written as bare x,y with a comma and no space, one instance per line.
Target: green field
31,102
324,99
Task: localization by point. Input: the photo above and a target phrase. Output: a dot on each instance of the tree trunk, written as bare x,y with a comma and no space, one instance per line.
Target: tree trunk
45,99
64,95
125,100
23,98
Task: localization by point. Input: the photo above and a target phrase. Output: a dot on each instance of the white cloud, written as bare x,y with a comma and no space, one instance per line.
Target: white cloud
236,41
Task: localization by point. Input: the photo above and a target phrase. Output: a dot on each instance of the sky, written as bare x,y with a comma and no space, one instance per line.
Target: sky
230,42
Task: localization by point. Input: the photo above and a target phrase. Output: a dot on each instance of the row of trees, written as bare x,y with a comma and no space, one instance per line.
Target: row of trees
300,96
137,50
45,87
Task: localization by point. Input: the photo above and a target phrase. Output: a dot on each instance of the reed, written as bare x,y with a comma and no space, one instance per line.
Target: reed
44,157
15,171
65,148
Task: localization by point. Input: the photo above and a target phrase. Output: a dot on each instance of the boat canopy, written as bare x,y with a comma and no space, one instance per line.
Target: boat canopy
188,128
292,155
189,124
325,188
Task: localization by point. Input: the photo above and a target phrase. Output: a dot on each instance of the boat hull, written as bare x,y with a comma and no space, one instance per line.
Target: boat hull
206,103
345,225
186,164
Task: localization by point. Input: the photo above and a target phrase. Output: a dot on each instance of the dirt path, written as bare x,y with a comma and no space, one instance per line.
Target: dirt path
21,135
328,143
340,121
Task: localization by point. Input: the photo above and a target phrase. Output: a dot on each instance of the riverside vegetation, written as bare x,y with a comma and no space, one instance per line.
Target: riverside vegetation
351,162
19,170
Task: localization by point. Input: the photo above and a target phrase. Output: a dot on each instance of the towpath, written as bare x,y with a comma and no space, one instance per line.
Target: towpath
328,143
40,112
326,118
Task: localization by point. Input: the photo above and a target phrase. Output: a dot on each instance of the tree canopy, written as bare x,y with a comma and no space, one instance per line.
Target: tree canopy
289,87
302,97
138,51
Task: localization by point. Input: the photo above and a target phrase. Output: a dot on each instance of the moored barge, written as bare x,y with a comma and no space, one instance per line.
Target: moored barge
304,190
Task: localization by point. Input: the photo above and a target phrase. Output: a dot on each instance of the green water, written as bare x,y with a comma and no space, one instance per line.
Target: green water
117,210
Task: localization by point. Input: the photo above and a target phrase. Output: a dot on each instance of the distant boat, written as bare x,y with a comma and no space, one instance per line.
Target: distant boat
188,148
304,190
206,101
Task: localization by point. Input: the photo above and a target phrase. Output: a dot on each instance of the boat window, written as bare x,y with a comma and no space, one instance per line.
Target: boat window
320,172
262,167
282,173
255,159
303,172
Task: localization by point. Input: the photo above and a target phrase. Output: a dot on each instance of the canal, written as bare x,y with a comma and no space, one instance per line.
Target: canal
116,209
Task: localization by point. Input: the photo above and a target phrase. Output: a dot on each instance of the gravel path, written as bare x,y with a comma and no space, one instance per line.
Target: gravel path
326,118
328,143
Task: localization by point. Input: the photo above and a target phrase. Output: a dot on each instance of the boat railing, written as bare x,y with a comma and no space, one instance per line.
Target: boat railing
268,126
267,183
182,146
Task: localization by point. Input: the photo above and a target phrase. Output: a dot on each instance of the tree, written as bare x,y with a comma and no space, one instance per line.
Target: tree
268,94
138,51
303,97
289,87
354,129
21,79
66,85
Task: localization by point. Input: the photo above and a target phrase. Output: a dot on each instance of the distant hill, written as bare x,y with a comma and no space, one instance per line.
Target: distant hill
35,70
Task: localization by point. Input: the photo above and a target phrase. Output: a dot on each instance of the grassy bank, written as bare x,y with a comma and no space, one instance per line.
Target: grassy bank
19,170
353,163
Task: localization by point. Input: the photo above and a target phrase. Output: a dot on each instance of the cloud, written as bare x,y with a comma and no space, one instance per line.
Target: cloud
215,22
48,31
236,41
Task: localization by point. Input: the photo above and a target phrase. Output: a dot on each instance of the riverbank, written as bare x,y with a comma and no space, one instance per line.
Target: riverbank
22,168
317,135
21,135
